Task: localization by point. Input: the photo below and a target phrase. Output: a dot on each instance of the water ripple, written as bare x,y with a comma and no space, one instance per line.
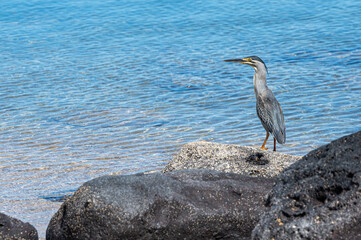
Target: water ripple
114,87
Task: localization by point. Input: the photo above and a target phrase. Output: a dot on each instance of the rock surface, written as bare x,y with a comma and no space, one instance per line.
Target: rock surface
14,229
319,197
230,158
190,204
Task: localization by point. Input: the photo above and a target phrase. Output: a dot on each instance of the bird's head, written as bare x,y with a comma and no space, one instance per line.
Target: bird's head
253,61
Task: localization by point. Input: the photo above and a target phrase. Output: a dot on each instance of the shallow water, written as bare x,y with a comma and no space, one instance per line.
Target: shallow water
89,88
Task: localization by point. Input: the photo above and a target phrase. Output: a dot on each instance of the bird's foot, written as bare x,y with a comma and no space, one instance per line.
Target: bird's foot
263,148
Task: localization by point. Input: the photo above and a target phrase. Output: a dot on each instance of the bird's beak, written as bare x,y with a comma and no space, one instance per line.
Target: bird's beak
242,60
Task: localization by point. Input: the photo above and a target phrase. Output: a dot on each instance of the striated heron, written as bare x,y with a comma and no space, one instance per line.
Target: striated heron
268,109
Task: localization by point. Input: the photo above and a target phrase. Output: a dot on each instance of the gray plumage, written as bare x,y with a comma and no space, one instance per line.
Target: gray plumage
270,113
268,109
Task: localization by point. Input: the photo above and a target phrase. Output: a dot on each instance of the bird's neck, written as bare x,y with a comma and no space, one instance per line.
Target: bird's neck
259,81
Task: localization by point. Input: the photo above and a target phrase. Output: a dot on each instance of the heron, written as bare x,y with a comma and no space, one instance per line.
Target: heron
268,108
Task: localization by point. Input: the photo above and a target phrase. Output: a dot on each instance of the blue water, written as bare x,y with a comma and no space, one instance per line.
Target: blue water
98,87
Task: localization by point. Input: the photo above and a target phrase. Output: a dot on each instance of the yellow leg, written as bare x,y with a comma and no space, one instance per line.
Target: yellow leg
264,143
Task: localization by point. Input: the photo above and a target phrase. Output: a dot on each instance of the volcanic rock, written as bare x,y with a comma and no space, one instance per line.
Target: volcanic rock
14,229
189,204
318,197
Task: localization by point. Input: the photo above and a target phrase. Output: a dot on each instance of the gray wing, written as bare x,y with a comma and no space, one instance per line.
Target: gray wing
270,113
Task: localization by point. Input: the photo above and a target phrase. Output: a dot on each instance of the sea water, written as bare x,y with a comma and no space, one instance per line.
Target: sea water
89,88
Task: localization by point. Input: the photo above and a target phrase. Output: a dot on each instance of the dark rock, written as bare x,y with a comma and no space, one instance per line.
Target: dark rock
192,204
14,229
319,197
230,158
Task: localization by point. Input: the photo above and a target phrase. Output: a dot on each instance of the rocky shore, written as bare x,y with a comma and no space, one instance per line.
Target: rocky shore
14,229
230,158
219,191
